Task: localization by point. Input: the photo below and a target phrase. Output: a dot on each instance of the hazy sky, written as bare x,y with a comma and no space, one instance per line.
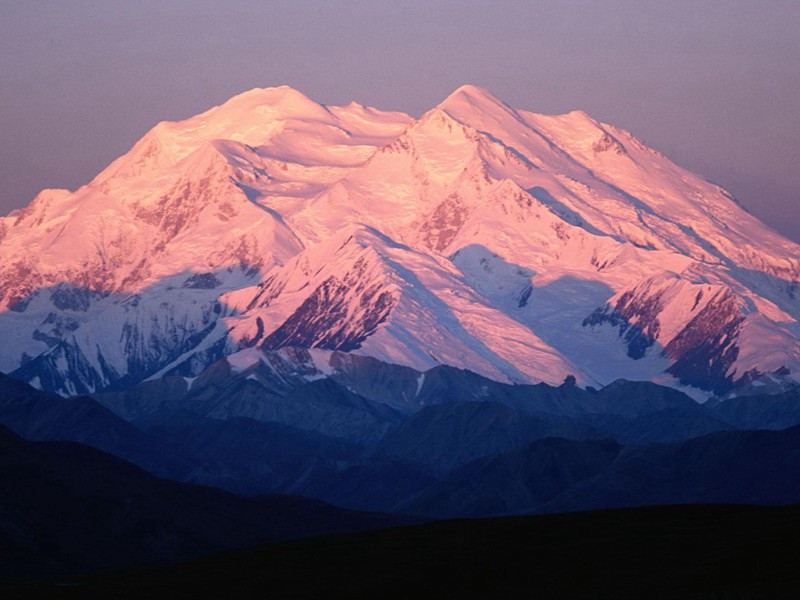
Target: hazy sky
713,84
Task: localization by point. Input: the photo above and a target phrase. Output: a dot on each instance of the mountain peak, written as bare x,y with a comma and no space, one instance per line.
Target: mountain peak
274,93
284,100
480,109
356,236
327,208
472,92
471,98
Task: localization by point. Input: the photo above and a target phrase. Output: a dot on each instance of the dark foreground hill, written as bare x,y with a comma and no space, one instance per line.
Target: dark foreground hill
686,552
66,508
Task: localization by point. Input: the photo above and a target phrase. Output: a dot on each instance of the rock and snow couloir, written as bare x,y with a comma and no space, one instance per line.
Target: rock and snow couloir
521,246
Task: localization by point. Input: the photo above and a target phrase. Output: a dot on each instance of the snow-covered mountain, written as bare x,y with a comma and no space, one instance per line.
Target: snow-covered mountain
521,246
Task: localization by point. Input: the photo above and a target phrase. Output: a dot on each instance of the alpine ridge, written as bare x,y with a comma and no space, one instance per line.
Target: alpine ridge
524,247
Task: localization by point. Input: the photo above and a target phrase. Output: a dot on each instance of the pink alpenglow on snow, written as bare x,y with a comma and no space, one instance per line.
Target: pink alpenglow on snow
522,246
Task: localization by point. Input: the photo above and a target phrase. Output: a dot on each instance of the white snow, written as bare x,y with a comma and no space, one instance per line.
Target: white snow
420,381
244,359
494,231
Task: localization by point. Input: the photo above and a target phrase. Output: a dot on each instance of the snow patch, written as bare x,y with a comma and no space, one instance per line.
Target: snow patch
244,359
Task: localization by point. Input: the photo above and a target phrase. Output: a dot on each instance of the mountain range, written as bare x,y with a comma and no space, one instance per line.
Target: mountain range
526,248
67,509
279,318
368,437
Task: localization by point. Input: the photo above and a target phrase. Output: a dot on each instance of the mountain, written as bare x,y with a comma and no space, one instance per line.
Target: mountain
314,439
68,509
449,435
744,467
366,401
366,435
44,416
246,456
263,387
524,247
363,434
774,411
557,475
514,482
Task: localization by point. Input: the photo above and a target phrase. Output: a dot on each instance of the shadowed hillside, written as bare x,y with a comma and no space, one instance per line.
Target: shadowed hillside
686,552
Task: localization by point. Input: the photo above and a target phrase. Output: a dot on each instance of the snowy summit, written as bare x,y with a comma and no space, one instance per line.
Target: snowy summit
522,246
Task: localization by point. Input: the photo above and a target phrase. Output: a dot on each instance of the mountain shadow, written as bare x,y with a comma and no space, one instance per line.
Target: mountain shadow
68,509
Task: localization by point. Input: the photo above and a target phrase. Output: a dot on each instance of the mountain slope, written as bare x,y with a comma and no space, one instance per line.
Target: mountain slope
449,435
558,475
38,415
524,247
747,467
111,514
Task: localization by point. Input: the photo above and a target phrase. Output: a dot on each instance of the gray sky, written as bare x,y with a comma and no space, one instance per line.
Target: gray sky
713,84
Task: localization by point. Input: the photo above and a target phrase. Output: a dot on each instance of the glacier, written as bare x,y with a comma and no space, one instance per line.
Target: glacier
521,246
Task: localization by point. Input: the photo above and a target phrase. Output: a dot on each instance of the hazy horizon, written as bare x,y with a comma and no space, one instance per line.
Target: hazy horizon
713,86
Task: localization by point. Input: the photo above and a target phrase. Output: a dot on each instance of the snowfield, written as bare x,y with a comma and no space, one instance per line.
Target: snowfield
520,246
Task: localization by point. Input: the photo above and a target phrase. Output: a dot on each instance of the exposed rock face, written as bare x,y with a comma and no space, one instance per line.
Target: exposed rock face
705,350
322,320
